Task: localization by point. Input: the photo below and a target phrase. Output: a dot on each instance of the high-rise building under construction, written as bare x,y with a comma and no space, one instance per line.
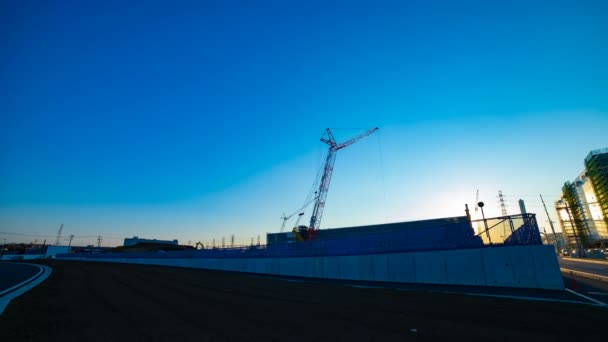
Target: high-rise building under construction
596,164
583,206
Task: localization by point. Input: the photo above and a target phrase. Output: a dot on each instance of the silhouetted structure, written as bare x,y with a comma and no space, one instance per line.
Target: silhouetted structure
136,240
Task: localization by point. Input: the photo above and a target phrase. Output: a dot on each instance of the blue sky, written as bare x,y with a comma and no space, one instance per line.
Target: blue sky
200,119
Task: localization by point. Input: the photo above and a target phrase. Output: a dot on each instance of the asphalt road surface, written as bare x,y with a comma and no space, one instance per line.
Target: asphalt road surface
12,274
114,302
599,268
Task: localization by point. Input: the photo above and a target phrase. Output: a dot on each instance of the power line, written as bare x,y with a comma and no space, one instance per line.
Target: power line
20,234
50,236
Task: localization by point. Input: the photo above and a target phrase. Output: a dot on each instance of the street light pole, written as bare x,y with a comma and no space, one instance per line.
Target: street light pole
485,223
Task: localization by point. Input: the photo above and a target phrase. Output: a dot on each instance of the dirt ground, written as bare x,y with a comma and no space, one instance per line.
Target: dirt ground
114,302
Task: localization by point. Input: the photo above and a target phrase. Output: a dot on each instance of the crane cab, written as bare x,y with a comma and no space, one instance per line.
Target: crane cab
303,233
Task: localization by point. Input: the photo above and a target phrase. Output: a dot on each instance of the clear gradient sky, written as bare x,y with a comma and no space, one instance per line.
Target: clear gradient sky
197,120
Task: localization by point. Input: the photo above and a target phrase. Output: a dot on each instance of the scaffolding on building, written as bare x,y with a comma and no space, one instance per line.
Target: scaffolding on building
596,164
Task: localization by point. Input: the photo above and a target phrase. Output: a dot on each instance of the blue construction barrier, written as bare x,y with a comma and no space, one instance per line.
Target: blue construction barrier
446,234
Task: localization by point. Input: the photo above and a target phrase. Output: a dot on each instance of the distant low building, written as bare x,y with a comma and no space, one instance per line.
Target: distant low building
136,240
550,239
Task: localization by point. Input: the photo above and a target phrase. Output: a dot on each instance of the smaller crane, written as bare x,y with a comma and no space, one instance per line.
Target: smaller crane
285,218
300,213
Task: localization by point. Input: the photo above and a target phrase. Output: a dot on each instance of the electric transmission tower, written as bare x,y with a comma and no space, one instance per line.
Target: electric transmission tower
503,206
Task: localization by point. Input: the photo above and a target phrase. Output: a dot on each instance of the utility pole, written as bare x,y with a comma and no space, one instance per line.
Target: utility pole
99,241
476,203
59,235
557,244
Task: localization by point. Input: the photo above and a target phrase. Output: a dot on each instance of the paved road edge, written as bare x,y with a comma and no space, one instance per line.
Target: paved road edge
24,286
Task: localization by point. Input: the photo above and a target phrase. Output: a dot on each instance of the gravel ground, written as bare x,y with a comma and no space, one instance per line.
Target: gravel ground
115,302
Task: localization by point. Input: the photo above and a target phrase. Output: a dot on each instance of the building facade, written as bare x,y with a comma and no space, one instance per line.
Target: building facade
583,207
596,164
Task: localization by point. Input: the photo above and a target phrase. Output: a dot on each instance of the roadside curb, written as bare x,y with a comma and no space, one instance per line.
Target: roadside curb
588,261
585,274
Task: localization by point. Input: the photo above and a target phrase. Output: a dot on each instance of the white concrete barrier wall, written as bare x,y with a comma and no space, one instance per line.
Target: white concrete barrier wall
517,266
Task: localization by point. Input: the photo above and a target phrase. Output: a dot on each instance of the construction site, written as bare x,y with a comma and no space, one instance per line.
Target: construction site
303,171
416,280
506,251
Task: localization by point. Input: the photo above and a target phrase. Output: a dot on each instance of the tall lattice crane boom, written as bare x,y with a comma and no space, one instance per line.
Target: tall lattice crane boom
328,138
